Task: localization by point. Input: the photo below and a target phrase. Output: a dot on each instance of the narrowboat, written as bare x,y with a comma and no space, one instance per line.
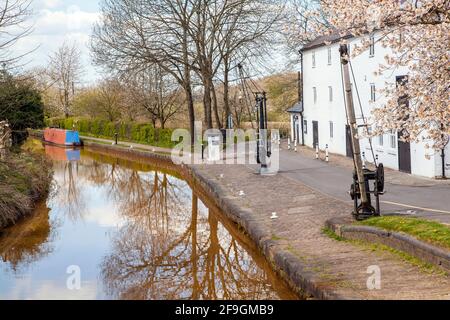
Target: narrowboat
61,137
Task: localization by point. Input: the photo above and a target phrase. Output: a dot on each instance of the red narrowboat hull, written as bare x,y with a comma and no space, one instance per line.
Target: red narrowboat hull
61,137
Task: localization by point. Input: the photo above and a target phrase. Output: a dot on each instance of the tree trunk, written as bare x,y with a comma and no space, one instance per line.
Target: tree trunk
187,88
207,101
66,103
226,101
190,104
215,107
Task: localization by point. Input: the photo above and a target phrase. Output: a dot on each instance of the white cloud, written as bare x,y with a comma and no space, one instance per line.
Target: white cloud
105,216
63,22
52,27
27,288
51,3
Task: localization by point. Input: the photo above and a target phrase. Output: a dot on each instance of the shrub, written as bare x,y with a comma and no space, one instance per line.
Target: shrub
21,105
128,131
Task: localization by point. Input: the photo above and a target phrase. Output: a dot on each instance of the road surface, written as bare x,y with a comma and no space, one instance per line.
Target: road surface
431,201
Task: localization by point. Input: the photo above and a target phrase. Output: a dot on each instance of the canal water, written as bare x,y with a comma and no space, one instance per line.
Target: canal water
117,229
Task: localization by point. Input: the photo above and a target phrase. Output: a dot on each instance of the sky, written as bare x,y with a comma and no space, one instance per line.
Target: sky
56,21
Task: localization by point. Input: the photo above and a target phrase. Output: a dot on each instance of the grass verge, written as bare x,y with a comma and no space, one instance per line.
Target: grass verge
380,248
425,230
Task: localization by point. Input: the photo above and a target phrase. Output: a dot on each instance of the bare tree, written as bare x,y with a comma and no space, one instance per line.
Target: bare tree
246,34
186,38
137,33
156,92
110,98
222,30
65,70
13,15
302,18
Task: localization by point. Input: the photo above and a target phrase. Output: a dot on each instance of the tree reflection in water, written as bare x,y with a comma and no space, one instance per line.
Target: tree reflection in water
28,240
171,246
69,189
158,241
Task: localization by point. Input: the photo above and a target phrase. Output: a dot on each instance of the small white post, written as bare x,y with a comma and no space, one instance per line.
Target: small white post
317,151
289,143
295,145
326,153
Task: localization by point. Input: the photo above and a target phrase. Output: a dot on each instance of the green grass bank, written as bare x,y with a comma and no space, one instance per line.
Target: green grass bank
25,178
429,231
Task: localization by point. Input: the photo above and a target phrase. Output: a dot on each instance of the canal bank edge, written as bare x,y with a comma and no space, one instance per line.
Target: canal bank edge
294,269
27,180
288,266
298,276
426,252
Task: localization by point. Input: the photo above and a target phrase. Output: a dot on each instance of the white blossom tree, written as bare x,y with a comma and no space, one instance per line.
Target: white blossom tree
417,34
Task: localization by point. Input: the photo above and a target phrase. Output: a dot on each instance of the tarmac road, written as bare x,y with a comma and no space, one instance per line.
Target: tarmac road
429,201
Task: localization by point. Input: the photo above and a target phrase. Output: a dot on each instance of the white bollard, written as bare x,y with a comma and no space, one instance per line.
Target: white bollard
317,151
289,143
295,145
326,153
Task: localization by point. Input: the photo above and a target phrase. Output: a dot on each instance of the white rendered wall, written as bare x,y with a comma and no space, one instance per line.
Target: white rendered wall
324,75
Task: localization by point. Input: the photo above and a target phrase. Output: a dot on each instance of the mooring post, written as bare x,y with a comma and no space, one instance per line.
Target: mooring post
116,137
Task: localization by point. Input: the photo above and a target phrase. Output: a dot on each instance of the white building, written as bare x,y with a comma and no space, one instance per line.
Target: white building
324,117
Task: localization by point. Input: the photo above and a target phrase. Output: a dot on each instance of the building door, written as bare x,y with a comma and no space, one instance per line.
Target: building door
404,148
297,130
348,139
315,133
404,155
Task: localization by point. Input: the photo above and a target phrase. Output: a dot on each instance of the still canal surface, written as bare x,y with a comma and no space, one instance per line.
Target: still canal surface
117,229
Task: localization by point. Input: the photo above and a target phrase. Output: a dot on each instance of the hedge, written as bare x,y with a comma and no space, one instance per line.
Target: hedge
127,131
